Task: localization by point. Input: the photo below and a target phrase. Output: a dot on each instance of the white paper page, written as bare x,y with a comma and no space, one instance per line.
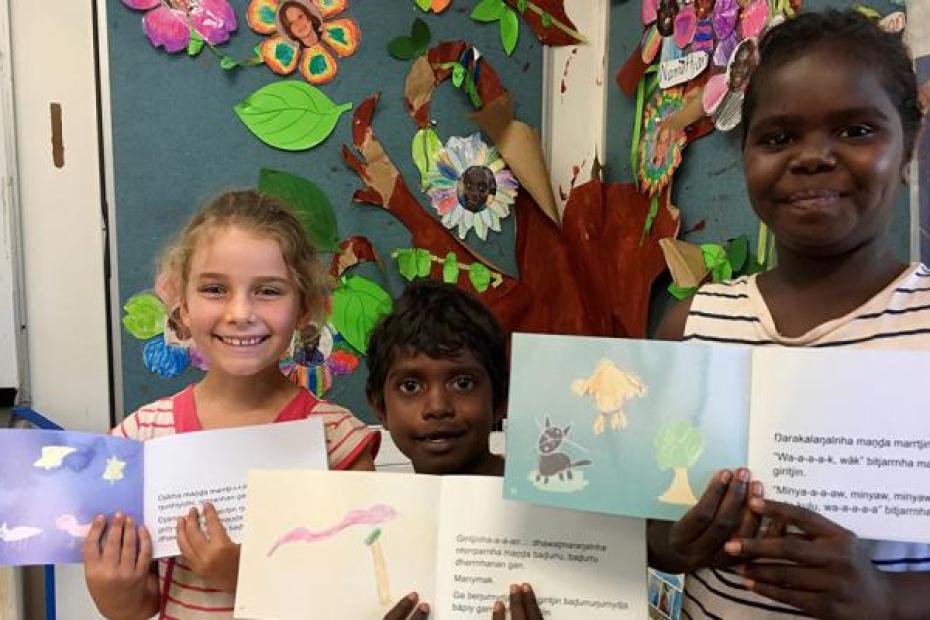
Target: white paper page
309,549
845,433
188,469
582,566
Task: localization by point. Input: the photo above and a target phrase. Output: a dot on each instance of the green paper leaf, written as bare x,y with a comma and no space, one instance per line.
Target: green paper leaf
228,63
423,4
403,48
450,269
309,203
715,259
358,303
510,31
458,75
738,252
480,277
521,6
681,292
145,316
424,263
419,33
196,43
545,19
290,115
425,150
406,263
489,11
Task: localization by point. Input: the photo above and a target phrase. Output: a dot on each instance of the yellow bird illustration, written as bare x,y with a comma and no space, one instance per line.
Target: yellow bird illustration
610,387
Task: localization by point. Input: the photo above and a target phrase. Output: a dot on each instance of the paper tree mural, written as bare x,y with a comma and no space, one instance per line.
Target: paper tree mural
610,387
678,446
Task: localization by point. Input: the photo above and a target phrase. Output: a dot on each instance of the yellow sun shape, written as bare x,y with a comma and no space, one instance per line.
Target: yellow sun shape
304,35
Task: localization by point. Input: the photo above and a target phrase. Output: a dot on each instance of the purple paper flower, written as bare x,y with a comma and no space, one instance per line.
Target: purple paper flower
168,23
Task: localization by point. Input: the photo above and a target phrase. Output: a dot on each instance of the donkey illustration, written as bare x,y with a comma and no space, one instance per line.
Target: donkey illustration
551,462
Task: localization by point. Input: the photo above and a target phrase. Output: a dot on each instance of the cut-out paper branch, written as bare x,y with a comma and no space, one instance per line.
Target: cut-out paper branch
547,19
290,115
408,48
418,263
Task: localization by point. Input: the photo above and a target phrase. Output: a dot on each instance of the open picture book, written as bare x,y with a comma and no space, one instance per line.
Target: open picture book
352,544
53,483
638,428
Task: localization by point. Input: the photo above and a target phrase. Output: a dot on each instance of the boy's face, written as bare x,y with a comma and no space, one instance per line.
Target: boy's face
440,412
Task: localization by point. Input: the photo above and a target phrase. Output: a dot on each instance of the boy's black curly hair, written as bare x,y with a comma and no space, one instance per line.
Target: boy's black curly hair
861,40
441,321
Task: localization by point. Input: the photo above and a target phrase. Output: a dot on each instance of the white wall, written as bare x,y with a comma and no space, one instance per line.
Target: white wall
53,61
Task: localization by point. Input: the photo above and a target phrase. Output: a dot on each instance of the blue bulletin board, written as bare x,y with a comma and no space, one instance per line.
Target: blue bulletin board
177,142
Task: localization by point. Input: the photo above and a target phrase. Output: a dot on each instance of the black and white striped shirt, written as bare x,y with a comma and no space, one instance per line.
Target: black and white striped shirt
898,317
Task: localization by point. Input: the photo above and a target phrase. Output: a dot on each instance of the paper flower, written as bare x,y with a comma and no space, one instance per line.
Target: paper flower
303,34
168,350
317,356
168,23
470,187
660,151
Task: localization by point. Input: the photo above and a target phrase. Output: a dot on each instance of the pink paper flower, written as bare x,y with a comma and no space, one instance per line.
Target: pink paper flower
168,23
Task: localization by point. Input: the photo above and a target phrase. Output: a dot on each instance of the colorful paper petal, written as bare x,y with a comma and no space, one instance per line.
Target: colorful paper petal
755,17
163,360
280,56
214,20
343,36
714,92
141,5
686,25
290,115
726,12
145,316
651,44
317,65
650,11
261,16
328,8
165,28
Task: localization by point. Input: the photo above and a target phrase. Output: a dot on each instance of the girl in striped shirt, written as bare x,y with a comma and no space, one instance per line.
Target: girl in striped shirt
247,278
830,120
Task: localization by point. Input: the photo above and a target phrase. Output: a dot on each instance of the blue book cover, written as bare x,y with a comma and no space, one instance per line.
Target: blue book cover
627,427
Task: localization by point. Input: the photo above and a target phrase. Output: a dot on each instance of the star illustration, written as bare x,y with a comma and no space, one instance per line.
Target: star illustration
114,470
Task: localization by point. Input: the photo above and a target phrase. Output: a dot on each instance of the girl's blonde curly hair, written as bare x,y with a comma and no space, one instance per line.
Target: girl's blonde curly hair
262,215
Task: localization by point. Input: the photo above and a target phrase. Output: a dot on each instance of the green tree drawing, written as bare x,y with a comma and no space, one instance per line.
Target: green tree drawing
679,444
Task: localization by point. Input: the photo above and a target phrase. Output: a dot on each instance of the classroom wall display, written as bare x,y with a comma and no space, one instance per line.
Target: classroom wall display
178,140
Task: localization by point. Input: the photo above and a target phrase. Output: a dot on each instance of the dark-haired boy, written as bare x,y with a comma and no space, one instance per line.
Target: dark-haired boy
437,379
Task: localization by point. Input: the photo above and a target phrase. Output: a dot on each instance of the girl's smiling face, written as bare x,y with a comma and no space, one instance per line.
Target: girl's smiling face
824,154
241,303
